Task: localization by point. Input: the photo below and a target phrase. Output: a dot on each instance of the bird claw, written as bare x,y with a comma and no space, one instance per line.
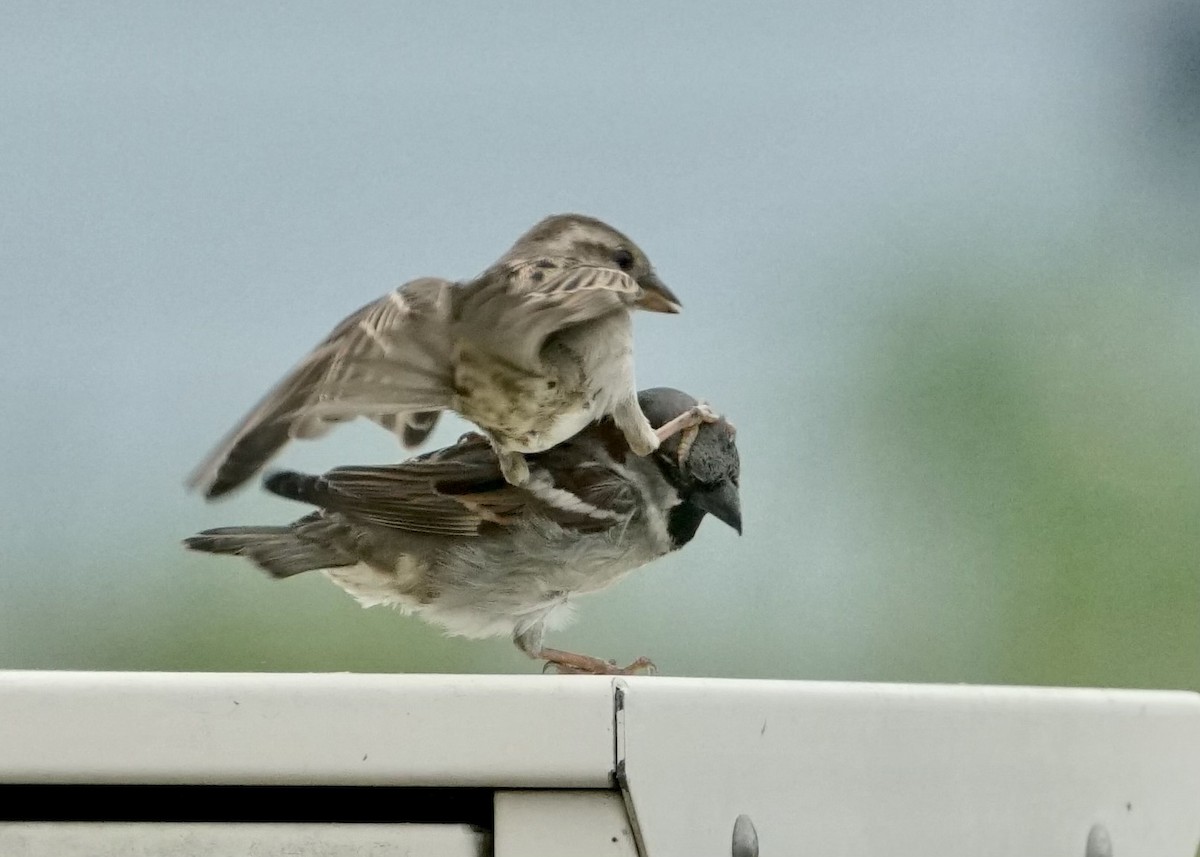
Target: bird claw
641,666
686,438
568,663
695,416
687,426
514,468
704,412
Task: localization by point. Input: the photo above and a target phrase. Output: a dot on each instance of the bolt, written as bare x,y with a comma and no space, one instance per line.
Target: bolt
1099,844
745,838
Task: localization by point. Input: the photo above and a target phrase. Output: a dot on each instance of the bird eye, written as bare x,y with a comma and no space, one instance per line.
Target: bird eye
624,259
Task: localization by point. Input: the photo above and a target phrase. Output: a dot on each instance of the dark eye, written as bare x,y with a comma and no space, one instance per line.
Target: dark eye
624,259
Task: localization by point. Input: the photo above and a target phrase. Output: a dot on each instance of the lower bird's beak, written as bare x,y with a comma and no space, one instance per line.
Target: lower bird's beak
656,297
722,502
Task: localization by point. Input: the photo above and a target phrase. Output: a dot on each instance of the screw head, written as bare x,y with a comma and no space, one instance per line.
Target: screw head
745,837
1099,843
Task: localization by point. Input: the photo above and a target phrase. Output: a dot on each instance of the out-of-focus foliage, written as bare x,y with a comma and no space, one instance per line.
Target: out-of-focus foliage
1037,441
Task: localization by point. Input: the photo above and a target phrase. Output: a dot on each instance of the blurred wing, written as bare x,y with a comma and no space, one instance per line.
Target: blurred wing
511,310
389,361
459,490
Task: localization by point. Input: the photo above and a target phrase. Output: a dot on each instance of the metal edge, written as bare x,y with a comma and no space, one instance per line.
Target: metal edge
620,776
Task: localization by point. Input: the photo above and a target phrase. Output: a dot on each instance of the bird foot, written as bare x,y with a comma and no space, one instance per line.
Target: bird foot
693,417
569,663
514,467
687,426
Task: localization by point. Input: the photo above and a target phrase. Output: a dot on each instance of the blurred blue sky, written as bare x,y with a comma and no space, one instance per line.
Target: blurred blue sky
191,195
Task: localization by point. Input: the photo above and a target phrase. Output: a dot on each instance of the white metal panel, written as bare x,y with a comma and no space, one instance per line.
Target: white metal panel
337,729
562,824
89,839
909,770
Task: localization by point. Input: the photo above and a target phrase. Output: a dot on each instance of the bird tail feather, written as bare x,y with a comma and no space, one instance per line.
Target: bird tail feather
279,551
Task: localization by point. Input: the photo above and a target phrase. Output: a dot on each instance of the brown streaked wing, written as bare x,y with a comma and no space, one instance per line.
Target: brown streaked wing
389,361
404,496
456,491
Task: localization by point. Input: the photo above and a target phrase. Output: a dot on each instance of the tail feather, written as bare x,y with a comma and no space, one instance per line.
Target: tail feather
279,551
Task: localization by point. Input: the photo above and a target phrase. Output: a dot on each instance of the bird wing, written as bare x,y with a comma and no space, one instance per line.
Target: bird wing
512,309
460,491
389,361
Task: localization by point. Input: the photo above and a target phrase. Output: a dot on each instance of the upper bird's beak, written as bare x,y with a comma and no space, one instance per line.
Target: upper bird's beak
656,297
722,502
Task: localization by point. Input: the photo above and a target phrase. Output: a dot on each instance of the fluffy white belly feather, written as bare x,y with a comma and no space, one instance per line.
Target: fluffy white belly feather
500,587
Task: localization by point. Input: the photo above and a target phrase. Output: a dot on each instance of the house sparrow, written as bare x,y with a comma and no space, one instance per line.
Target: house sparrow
531,351
443,535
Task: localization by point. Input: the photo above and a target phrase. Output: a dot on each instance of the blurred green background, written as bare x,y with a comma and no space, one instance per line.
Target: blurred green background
941,267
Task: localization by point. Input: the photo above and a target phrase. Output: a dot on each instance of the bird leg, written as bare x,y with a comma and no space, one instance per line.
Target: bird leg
513,466
638,432
569,663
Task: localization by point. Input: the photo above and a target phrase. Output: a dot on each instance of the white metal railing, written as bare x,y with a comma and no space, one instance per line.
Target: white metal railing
578,765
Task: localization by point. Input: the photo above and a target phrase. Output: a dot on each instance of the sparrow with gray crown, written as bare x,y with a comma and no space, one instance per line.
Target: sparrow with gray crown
445,536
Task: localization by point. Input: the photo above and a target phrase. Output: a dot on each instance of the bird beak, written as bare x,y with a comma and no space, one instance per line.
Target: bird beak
656,297
722,502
